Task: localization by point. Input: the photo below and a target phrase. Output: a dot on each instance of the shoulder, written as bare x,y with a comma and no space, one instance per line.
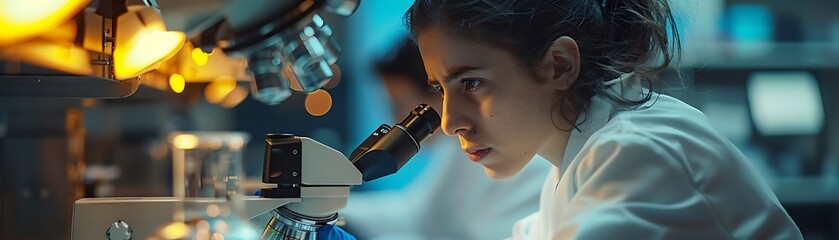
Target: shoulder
661,122
661,135
620,146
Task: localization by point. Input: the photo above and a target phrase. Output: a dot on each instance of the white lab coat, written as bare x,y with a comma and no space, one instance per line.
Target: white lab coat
659,172
451,199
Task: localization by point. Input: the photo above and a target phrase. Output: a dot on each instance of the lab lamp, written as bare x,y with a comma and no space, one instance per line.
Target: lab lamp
22,20
138,42
142,42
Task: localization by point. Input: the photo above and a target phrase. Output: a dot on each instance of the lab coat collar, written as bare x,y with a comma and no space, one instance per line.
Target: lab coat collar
598,113
593,119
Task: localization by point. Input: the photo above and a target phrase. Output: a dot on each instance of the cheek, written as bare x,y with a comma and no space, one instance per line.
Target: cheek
520,114
520,122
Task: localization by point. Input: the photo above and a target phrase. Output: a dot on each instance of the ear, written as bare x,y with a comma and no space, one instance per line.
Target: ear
562,63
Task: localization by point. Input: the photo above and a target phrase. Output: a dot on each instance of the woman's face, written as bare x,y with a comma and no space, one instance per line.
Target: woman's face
501,115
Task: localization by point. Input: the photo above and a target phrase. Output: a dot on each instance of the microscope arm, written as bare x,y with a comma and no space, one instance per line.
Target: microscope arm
320,176
306,169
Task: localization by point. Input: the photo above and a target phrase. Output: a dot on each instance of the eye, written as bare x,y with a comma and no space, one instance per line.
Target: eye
470,84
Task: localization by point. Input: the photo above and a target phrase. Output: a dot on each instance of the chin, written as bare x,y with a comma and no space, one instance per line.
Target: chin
499,174
502,169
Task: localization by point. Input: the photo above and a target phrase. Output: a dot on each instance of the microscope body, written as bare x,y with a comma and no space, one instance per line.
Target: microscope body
384,152
324,174
310,183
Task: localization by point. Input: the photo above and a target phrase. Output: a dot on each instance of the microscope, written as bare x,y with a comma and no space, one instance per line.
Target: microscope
283,42
310,184
102,49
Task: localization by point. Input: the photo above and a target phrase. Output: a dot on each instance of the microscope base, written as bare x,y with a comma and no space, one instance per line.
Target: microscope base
93,216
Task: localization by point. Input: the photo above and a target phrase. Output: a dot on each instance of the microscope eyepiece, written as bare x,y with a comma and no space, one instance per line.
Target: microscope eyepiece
421,122
387,149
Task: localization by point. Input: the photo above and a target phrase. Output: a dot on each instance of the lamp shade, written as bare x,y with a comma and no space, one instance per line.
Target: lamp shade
22,20
60,56
54,49
142,42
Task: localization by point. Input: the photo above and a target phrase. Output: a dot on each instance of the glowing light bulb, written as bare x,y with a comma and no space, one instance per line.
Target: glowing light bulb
199,57
177,83
185,141
175,230
63,57
142,43
21,20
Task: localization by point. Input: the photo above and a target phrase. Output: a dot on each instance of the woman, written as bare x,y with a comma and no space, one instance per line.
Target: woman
450,198
572,82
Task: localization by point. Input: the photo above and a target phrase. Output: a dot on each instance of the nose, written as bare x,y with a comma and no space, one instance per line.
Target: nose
454,120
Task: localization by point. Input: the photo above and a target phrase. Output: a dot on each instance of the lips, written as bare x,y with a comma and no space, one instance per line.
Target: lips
476,154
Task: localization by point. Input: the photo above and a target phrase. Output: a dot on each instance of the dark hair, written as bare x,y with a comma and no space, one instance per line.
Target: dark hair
405,60
614,36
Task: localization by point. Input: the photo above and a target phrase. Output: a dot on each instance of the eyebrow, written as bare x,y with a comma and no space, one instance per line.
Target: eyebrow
454,72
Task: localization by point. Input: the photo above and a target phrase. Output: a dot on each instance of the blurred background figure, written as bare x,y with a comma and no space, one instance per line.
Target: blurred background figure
439,194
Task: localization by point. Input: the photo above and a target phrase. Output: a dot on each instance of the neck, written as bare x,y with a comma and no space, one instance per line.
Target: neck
554,148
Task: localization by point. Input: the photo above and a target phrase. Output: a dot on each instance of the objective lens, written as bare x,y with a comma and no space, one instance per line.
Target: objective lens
270,85
270,88
309,51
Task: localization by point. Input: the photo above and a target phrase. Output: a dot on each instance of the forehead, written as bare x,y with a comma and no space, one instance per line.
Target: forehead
442,50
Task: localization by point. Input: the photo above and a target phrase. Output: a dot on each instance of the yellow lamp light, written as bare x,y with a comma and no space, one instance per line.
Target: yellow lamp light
61,56
54,49
21,20
199,57
185,141
217,90
142,42
177,83
175,230
234,97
